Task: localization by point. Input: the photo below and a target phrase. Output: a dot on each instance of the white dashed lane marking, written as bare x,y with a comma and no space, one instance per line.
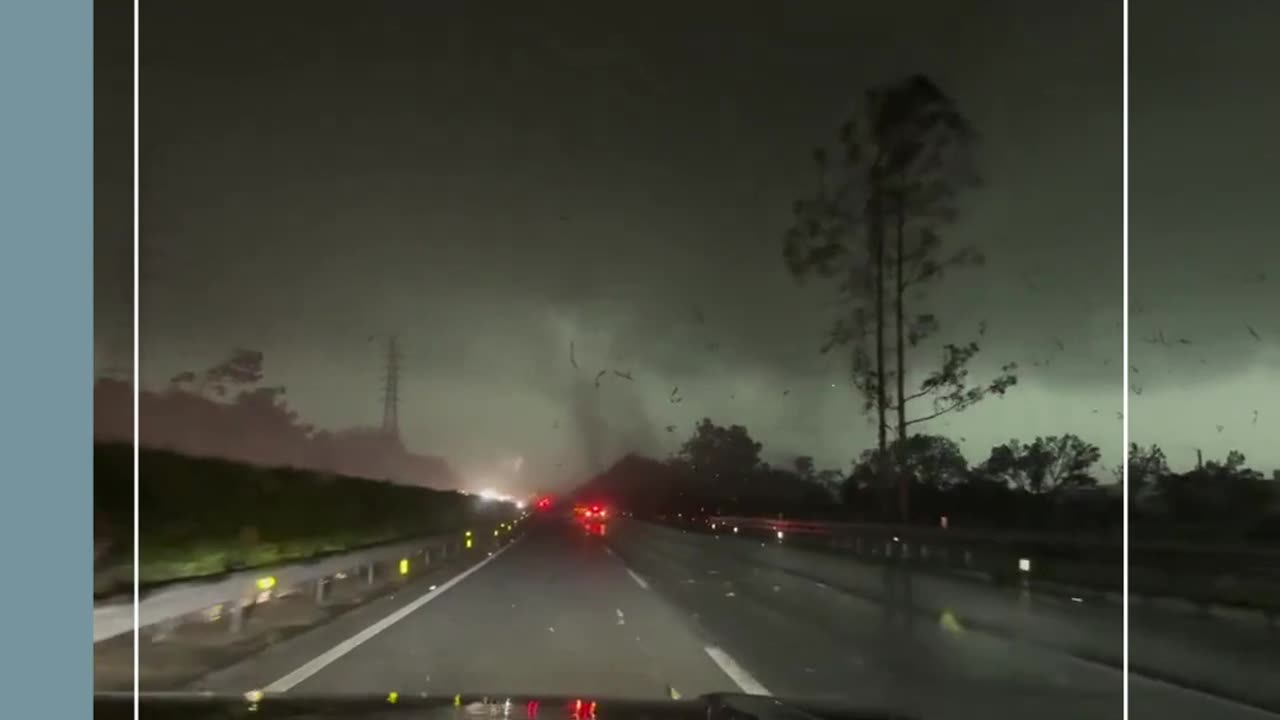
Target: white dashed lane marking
639,580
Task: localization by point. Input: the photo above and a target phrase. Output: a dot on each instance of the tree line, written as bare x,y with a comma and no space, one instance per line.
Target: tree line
227,411
1053,483
1215,499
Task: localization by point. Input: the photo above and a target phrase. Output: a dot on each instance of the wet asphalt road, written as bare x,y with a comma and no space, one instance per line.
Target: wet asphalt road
555,613
635,614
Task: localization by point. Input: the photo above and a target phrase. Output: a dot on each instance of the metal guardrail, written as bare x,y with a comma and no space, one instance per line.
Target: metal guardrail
919,533
241,589
1198,574
990,555
1248,553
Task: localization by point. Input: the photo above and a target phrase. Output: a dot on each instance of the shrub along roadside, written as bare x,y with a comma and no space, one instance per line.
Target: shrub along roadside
202,516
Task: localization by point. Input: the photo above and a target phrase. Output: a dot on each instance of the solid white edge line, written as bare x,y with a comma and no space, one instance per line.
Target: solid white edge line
736,673
639,580
326,658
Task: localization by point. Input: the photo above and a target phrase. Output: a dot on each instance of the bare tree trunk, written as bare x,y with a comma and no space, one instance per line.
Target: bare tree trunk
904,482
877,250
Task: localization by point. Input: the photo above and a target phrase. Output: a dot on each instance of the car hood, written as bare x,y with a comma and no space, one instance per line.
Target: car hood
205,706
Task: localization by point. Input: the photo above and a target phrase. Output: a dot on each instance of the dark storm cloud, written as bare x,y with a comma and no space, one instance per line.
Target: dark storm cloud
113,186
1205,338
495,185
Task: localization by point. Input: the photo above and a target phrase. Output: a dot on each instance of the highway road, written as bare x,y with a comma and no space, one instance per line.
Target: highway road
560,612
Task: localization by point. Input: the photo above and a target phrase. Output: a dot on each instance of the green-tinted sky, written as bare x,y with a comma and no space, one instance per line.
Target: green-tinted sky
1203,229
494,181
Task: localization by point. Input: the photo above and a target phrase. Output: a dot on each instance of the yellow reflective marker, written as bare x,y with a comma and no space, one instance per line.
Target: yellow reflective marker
392,697
457,700
673,693
949,622
468,533
495,532
253,696
404,566
266,583
468,542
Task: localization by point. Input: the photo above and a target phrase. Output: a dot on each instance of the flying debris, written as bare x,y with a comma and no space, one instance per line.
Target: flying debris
600,375
1255,417
1219,428
1058,342
1184,341
1094,412
623,375
1254,333
982,328
1119,415
1133,369
671,428
572,360
1157,339
1137,389
786,393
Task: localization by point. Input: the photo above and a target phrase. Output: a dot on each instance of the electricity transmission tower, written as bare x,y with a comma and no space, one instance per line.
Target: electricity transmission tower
391,389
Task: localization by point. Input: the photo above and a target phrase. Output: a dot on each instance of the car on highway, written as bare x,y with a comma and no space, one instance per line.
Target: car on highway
593,517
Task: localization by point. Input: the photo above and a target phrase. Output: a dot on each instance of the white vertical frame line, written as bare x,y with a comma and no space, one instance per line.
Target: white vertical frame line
137,364
1124,400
